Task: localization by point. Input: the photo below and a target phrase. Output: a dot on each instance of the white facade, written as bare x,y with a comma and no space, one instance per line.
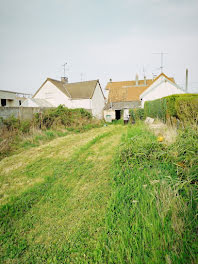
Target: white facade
98,102
81,103
109,115
160,88
55,97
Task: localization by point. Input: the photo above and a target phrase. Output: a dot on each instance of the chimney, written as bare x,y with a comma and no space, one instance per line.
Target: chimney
64,79
186,88
110,80
144,80
136,79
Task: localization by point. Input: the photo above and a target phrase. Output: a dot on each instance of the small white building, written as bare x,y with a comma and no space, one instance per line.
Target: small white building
162,86
12,99
87,95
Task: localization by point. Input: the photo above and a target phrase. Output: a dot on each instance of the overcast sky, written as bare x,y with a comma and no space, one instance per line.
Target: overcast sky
99,39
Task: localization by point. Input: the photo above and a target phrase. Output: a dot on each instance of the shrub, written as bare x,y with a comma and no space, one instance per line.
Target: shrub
62,116
25,126
11,123
181,106
137,114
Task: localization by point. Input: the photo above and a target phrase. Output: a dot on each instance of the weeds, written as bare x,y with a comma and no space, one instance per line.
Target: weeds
16,135
152,213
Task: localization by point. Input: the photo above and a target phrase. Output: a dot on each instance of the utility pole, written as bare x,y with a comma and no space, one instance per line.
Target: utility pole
162,57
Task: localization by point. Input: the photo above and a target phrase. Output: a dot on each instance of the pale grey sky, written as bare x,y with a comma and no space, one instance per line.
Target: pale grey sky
100,38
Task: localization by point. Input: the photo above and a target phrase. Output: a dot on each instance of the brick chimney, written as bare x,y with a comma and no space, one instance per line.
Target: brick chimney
136,79
64,79
144,80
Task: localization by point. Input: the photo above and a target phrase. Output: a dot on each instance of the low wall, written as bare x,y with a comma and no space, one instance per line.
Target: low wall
23,113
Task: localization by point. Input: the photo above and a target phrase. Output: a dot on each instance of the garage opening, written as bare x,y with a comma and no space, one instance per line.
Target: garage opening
117,114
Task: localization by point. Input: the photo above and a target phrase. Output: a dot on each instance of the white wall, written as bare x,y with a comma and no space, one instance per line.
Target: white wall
109,113
165,88
81,103
98,102
53,95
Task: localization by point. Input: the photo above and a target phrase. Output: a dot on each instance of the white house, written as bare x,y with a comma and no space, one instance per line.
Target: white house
133,94
87,95
162,86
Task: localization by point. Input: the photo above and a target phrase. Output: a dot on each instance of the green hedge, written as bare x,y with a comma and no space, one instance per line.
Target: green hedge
180,106
136,114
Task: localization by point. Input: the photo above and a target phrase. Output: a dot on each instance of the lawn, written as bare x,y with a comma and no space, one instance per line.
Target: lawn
110,195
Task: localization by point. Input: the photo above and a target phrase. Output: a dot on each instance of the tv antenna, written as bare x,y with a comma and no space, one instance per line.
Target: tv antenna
64,65
162,57
81,76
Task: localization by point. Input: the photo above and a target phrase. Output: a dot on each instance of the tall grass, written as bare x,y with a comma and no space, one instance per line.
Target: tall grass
152,210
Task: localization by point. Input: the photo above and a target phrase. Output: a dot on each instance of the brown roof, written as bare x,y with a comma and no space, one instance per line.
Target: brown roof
128,91
78,90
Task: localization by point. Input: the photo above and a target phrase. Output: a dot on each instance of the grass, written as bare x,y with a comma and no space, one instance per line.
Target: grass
109,195
152,213
58,218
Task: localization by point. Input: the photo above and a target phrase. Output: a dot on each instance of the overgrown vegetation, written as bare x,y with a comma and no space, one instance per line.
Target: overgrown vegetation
152,212
136,114
181,106
85,207
16,134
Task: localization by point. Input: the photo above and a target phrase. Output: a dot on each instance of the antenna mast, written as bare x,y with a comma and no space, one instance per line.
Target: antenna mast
162,57
64,65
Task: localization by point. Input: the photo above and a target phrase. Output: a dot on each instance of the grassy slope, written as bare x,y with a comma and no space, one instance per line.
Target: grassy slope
55,198
69,201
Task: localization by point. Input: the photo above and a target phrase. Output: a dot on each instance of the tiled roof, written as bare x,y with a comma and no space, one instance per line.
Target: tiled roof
78,90
127,91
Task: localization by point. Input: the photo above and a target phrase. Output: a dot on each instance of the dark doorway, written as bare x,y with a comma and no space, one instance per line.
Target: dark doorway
117,114
3,102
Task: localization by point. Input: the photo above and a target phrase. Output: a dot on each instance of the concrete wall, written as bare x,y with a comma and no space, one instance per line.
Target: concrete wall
23,113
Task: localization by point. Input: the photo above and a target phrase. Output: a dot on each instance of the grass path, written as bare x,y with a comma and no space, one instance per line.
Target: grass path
54,198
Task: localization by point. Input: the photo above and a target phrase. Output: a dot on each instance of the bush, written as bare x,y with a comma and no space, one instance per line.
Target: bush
180,106
11,123
25,126
62,116
137,114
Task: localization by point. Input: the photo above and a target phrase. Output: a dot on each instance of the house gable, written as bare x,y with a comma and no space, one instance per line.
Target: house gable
53,94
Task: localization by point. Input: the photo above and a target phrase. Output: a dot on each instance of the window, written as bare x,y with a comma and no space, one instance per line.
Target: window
19,102
3,102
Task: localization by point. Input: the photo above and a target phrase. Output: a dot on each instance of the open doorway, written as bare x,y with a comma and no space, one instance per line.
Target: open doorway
117,114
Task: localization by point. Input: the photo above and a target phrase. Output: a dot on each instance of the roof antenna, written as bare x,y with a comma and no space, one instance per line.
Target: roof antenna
162,56
64,65
81,76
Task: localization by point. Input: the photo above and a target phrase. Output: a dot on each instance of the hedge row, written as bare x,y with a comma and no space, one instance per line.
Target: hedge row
181,106
136,114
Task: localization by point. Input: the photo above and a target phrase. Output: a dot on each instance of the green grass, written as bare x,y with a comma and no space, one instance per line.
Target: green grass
59,217
110,195
152,213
